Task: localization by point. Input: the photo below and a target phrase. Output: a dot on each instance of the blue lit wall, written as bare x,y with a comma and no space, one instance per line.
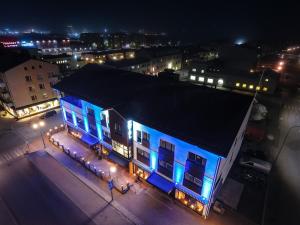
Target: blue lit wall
181,153
82,113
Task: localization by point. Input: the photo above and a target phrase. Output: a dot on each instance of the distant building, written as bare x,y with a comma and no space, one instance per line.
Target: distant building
93,40
26,85
152,126
151,61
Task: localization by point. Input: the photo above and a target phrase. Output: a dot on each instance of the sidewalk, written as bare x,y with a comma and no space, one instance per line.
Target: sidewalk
142,204
120,178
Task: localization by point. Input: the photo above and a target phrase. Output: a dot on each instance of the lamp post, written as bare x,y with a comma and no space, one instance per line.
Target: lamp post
112,169
39,126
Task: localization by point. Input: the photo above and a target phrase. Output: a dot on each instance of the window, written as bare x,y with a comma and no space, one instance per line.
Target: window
251,86
258,88
194,70
202,71
25,68
198,181
244,85
193,77
33,67
45,95
210,80
139,136
146,136
28,78
40,66
189,177
30,89
201,79
42,86
265,89
237,84
118,128
267,80
33,97
167,145
143,156
220,82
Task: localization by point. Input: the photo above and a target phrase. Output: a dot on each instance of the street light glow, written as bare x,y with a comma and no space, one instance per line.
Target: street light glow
42,123
112,169
35,126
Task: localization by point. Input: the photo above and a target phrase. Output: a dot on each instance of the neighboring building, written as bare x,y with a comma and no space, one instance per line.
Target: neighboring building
65,62
93,40
235,80
26,85
108,55
181,138
151,61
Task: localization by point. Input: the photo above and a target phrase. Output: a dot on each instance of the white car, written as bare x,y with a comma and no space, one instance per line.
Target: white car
256,164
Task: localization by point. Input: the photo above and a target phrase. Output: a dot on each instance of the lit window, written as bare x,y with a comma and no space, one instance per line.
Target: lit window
244,85
267,80
202,71
193,77
210,80
220,82
194,70
258,88
251,86
265,89
237,84
201,79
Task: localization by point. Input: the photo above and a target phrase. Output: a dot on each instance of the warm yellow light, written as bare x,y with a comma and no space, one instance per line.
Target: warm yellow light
244,85
112,169
279,68
281,63
267,80
258,88
251,86
42,123
265,89
237,84
35,126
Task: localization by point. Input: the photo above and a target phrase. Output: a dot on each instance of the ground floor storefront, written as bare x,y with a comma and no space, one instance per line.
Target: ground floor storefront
34,109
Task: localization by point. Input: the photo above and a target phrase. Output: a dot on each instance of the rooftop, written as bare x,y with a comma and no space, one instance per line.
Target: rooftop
201,116
127,62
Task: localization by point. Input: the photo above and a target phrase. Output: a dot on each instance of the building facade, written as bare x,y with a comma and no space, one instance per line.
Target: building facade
188,158
26,88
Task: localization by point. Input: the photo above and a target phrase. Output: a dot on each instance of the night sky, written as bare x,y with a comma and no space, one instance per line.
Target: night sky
188,20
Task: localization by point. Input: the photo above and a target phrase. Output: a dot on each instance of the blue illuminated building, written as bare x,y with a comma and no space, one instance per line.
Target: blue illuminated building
177,136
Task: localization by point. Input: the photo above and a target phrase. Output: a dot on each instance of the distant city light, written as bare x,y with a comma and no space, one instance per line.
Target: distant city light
240,41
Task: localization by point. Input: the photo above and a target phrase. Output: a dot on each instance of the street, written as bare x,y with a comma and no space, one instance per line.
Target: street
17,137
283,198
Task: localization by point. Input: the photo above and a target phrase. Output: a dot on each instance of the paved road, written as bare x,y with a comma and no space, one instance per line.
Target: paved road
33,200
283,201
37,190
17,137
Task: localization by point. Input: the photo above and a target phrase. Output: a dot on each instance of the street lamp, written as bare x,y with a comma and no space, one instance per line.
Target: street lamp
112,169
38,126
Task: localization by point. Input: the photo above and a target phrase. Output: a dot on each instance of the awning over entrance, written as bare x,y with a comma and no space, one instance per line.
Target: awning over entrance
89,140
118,159
161,183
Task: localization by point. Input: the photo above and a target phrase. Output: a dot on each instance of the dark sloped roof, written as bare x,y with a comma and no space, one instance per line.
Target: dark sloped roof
201,116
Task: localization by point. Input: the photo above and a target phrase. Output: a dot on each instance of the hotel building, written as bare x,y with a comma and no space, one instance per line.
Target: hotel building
26,86
179,137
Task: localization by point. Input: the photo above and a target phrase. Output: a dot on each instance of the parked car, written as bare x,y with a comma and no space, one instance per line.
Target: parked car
48,114
257,164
